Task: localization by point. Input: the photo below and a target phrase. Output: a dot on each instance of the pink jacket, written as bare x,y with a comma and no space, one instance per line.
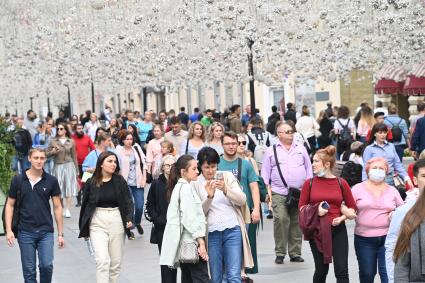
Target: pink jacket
153,152
124,162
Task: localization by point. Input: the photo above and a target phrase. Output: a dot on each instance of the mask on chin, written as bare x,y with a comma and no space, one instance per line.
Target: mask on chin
321,173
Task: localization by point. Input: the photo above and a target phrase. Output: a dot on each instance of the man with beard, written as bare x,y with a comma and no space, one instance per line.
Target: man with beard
83,145
244,172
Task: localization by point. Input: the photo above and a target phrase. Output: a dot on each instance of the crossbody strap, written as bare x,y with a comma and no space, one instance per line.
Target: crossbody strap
239,169
187,146
140,157
278,166
339,183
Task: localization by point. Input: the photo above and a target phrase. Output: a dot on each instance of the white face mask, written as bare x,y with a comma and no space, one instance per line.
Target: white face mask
321,173
377,175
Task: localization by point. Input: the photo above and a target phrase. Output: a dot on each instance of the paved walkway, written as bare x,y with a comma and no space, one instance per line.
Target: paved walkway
74,264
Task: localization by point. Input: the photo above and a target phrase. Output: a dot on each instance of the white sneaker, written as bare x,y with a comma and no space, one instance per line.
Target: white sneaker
67,213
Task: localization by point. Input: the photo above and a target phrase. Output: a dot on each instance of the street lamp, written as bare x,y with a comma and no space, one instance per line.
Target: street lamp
251,77
31,98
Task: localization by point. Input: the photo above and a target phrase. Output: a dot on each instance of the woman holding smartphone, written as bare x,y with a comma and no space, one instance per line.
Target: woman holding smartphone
326,193
223,202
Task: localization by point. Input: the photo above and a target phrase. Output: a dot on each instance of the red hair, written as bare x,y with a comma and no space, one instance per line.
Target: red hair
376,159
327,154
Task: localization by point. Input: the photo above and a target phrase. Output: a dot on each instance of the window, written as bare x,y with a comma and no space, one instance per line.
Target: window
322,96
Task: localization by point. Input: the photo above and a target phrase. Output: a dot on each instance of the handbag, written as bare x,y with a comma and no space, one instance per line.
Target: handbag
317,132
400,186
154,237
293,196
188,252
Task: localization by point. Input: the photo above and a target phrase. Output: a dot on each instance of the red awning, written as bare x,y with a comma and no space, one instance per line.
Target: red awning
386,86
414,86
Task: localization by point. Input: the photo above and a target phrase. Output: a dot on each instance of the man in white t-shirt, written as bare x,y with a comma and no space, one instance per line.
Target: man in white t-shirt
379,107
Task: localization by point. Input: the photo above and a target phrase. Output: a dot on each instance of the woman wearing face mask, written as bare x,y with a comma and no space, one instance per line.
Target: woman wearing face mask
186,222
156,212
375,201
153,151
380,147
325,195
223,201
195,140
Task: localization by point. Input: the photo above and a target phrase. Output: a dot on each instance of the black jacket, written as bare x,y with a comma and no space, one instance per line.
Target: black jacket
91,197
157,203
291,115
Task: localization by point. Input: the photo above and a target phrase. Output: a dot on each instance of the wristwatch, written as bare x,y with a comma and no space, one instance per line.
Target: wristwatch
60,234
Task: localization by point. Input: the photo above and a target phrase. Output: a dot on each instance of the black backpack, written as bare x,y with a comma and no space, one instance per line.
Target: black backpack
396,131
352,173
15,217
345,137
22,141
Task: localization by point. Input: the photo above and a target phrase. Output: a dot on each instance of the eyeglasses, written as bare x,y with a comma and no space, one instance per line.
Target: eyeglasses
167,165
230,144
288,132
242,143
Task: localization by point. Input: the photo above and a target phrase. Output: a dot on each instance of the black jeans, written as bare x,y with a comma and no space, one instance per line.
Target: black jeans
340,257
195,272
168,275
80,191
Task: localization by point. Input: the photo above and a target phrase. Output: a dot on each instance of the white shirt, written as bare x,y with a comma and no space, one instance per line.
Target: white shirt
306,125
344,122
221,215
381,109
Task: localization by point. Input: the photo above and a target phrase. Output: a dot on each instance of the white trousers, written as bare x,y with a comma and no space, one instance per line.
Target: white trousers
107,236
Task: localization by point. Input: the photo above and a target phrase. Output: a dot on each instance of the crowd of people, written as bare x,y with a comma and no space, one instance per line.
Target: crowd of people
210,180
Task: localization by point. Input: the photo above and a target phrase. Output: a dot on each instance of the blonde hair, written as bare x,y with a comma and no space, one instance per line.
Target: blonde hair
214,125
192,130
167,157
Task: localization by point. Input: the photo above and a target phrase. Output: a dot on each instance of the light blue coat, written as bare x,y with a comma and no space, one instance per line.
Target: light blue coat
189,220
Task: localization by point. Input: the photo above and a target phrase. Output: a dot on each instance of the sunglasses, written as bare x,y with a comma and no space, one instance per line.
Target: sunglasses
61,129
242,143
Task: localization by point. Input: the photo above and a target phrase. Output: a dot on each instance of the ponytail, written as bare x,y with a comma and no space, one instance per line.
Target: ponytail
172,180
182,163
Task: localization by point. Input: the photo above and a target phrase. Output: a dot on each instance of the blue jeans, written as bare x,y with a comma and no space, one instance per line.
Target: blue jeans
225,251
29,244
20,163
139,201
370,252
400,151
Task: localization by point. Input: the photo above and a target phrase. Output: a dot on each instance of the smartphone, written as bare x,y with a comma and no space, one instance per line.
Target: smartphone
219,176
325,205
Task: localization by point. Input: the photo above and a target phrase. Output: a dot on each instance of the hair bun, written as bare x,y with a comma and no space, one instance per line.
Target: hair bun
330,150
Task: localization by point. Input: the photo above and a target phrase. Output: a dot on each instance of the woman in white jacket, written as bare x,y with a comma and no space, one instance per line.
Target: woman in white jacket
185,222
308,127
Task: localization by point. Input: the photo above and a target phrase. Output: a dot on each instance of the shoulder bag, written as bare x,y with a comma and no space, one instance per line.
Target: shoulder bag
188,252
294,194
